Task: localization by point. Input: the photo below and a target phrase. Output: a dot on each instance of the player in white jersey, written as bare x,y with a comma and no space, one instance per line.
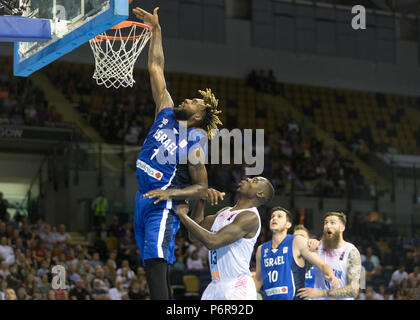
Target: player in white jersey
230,235
343,257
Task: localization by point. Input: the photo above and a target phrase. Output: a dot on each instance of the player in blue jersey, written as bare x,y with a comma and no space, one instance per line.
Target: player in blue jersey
170,165
280,262
300,230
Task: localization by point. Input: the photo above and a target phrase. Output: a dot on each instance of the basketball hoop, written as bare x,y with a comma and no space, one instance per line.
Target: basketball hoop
116,53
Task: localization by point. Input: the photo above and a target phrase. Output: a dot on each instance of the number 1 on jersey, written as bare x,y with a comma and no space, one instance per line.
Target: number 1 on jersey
155,153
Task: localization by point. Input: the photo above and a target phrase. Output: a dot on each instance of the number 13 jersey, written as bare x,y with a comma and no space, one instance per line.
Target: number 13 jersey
229,265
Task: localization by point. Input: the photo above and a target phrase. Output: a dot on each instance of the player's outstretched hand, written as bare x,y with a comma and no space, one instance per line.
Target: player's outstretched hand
151,20
213,196
158,193
183,208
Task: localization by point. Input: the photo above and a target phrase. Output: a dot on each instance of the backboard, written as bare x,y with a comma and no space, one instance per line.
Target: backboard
73,22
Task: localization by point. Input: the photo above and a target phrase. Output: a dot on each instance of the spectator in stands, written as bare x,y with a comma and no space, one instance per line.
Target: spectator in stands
135,292
118,292
79,292
126,245
100,274
114,229
194,262
6,251
4,270
53,236
10,294
381,292
373,258
43,270
63,238
43,287
414,277
97,292
38,251
370,294
72,273
3,288
179,263
125,265
96,260
399,275
202,250
87,270
124,277
100,208
22,295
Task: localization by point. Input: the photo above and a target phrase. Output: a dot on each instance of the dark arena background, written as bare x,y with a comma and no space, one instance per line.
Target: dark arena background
340,109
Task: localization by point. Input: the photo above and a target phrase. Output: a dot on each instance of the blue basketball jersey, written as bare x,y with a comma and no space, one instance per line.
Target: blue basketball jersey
281,276
310,278
163,159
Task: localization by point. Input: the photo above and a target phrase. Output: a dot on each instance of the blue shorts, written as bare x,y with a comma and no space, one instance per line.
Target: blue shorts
155,227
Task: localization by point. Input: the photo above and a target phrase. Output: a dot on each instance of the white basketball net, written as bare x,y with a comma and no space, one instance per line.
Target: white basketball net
116,55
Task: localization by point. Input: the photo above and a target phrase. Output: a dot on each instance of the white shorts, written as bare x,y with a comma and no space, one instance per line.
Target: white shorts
239,288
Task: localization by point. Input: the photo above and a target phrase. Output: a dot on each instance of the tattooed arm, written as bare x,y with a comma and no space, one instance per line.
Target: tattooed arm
351,290
354,266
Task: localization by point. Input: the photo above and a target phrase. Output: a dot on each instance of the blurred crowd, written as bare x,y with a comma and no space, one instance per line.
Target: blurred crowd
23,103
296,159
115,114
109,268
294,156
29,251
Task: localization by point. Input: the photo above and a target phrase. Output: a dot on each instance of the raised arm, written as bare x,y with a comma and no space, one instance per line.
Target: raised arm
245,223
301,246
197,215
156,60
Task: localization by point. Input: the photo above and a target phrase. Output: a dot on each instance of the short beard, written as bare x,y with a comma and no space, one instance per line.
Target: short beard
331,243
181,115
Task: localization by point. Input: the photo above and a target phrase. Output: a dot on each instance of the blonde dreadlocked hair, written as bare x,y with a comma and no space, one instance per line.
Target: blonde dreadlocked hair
211,120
